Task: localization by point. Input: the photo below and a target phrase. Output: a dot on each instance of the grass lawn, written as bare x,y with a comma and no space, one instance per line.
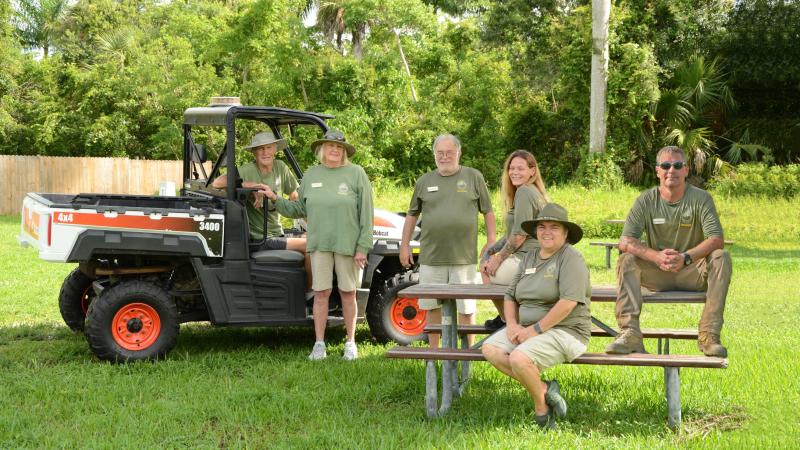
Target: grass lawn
254,388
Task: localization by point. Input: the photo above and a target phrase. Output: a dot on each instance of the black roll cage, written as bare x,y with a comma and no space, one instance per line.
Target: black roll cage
274,118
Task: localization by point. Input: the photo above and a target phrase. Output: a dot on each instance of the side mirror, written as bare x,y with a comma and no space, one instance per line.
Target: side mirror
199,154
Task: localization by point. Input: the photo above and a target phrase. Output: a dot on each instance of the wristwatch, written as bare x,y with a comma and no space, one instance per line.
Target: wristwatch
687,259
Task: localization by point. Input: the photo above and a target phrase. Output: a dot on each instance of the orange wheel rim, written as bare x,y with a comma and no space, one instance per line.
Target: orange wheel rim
136,326
85,300
406,316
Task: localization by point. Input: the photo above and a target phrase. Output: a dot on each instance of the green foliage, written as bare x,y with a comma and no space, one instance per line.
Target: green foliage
501,75
600,171
759,179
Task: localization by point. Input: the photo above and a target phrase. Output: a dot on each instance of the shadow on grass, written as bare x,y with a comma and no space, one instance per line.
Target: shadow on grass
599,403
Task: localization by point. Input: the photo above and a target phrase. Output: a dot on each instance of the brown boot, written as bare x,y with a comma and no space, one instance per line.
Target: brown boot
709,344
629,340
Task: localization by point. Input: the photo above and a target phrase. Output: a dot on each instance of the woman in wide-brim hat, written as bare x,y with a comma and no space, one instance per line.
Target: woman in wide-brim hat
547,312
336,197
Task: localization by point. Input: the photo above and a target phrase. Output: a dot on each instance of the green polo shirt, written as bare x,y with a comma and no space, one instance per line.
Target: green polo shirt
540,283
338,205
280,179
528,201
679,226
449,206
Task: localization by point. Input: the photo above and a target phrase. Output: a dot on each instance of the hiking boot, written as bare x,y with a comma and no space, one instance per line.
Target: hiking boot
494,324
553,398
709,344
545,421
627,341
318,352
350,351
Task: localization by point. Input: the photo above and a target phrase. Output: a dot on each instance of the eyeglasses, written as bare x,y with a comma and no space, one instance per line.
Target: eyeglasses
447,154
678,165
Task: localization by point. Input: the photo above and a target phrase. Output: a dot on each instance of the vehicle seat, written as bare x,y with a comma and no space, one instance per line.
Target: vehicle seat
278,257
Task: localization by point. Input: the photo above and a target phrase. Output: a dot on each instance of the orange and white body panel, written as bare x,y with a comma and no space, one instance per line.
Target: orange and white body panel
53,231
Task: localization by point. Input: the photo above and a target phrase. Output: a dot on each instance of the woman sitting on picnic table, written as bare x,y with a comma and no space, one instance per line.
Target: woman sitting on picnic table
525,195
547,313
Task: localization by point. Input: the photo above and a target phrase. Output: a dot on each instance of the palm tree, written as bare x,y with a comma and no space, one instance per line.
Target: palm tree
37,22
692,112
332,21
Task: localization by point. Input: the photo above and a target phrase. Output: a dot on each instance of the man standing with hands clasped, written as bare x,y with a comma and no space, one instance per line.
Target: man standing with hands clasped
449,198
683,251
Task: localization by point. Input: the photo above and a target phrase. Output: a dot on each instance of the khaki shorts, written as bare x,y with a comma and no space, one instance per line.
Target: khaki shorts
554,346
505,273
322,266
451,274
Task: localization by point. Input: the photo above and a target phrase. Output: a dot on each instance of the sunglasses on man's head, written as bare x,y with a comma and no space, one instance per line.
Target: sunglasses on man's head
678,165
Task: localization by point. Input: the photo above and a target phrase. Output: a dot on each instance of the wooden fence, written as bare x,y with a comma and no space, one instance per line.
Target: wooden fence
22,174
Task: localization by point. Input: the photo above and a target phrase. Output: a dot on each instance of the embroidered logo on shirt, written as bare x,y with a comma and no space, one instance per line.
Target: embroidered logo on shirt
550,271
686,219
343,189
461,186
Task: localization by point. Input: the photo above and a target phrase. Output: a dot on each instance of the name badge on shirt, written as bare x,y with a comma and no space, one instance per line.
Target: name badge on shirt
659,221
433,188
314,185
530,271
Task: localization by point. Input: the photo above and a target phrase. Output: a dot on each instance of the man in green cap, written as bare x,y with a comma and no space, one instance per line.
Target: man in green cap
266,171
683,251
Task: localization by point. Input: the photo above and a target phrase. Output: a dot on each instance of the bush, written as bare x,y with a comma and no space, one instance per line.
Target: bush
599,171
759,179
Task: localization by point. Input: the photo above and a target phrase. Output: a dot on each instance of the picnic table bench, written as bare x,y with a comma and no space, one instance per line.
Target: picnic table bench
453,383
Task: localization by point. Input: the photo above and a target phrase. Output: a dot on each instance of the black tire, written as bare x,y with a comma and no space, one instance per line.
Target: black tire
74,299
404,327
132,321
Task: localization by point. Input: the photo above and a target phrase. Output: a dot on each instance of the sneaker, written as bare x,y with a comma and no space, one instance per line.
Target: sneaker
554,400
350,351
709,344
318,352
494,324
545,421
627,341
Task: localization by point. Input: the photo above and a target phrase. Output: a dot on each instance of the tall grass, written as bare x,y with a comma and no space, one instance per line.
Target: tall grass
254,388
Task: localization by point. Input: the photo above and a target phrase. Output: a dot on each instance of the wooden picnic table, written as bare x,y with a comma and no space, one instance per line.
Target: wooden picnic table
454,382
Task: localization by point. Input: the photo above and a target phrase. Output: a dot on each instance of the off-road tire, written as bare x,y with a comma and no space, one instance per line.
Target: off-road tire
74,299
132,321
395,319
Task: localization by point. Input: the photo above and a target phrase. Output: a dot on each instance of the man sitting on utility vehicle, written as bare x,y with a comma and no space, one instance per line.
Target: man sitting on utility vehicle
267,171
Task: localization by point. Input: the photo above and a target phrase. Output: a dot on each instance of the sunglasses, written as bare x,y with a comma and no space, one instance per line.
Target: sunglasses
678,165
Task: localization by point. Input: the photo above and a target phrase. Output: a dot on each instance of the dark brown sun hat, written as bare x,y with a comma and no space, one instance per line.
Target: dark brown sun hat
553,212
337,137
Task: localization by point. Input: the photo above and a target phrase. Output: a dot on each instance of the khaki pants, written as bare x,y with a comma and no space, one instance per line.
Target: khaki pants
711,274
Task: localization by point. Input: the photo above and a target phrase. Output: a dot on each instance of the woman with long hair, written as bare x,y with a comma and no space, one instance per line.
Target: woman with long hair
525,195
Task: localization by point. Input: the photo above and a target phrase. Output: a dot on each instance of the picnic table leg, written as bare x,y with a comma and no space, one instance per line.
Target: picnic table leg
462,385
431,382
608,257
672,385
449,368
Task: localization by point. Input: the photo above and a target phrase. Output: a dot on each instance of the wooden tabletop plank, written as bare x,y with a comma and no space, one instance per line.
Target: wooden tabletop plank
493,292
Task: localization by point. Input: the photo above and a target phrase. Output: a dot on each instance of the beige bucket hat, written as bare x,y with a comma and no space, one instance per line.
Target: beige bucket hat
266,138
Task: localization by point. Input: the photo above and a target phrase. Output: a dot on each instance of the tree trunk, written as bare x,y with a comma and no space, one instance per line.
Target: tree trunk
405,64
601,11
